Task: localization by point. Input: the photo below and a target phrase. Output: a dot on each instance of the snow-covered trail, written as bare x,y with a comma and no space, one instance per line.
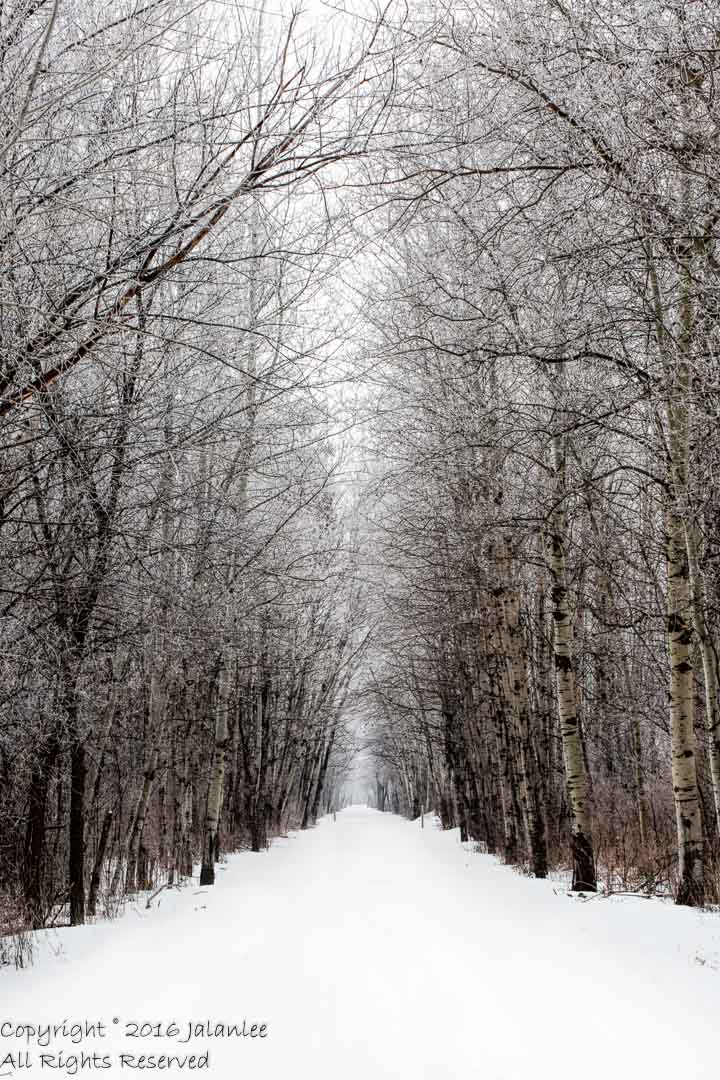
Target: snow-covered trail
374,949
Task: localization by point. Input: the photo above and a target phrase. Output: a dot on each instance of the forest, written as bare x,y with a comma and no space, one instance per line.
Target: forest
359,400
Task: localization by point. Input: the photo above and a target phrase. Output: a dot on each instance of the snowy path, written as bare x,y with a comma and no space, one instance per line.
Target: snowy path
373,949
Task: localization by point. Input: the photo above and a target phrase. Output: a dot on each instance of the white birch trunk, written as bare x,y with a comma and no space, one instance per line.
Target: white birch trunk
518,695
679,634
217,778
573,756
679,604
709,654
682,717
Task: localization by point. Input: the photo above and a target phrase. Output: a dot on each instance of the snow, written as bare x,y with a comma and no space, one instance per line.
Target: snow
372,948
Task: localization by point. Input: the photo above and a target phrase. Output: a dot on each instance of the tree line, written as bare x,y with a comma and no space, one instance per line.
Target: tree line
180,619
544,347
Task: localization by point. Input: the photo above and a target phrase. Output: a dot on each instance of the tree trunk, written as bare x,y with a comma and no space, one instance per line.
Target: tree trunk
577,785
98,865
76,865
518,693
215,790
682,718
34,889
709,654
